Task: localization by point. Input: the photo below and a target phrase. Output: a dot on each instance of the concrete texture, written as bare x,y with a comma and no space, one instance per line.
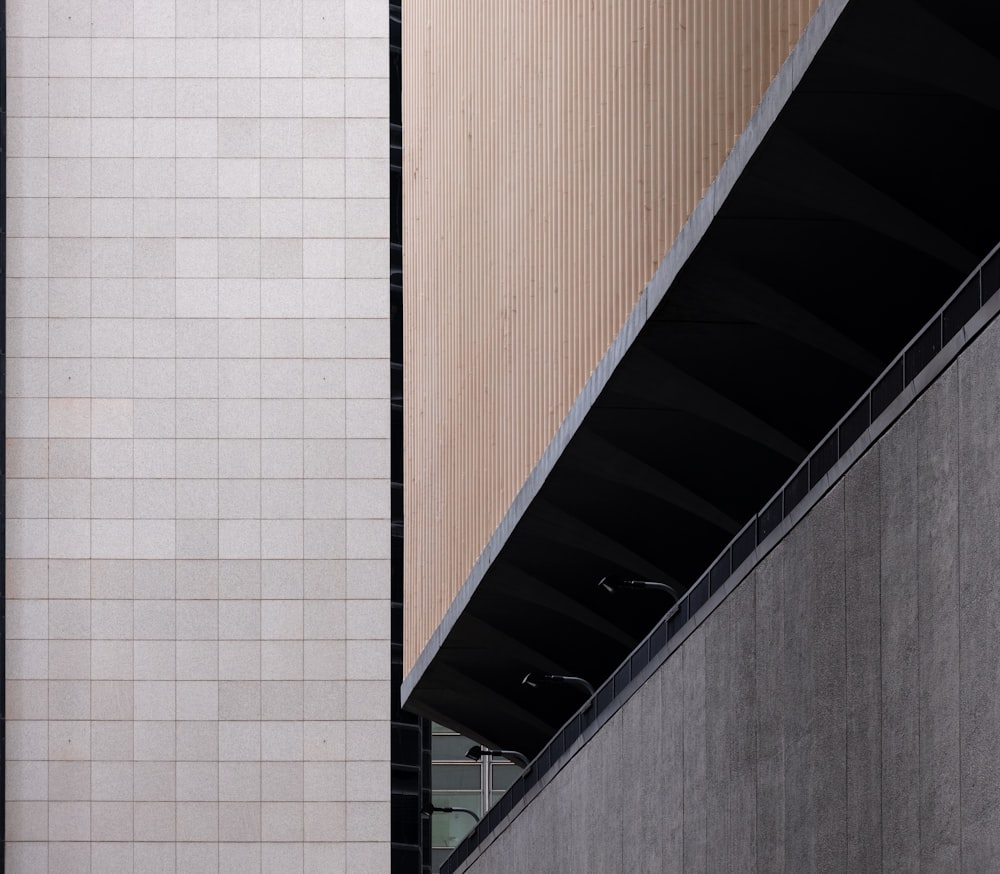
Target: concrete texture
770,722
603,792
814,691
900,667
863,645
743,735
644,815
671,764
695,755
718,730
979,583
573,839
838,711
938,611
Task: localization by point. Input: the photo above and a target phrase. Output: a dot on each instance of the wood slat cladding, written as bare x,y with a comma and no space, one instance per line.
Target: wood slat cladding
553,150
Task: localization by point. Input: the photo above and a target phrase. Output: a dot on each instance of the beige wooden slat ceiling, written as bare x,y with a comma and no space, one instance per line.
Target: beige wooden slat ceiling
552,151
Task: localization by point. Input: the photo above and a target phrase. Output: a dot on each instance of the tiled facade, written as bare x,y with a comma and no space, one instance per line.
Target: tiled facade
197,510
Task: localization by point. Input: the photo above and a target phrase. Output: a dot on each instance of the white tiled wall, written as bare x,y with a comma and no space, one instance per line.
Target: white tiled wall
197,436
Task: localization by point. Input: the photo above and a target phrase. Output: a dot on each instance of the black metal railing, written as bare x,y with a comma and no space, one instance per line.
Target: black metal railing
956,313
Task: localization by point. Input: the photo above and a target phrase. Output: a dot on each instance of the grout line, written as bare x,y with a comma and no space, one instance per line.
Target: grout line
132,454
302,442
174,447
260,432
218,453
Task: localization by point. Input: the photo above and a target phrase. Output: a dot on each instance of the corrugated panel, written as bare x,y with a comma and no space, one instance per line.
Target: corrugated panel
553,150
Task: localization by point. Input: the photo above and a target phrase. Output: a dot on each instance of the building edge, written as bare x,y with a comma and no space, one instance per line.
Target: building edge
410,744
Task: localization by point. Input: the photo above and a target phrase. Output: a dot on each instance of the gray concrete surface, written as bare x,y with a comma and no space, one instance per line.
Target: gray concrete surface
979,622
863,645
938,612
718,730
839,711
900,668
644,814
695,754
770,675
813,693
743,738
671,764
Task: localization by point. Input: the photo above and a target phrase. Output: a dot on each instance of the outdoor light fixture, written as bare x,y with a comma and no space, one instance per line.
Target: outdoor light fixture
429,808
534,679
613,586
477,752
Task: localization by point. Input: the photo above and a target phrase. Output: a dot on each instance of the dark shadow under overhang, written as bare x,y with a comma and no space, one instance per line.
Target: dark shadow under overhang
871,197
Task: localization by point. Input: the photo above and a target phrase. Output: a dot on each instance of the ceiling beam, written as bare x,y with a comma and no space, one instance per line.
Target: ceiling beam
734,293
460,686
822,183
563,527
656,383
592,455
934,54
493,638
518,584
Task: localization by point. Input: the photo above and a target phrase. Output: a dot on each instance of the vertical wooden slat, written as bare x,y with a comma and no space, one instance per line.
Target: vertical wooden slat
553,151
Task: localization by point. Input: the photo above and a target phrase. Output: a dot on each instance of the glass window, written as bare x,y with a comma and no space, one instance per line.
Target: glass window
455,776
458,782
447,829
450,748
503,776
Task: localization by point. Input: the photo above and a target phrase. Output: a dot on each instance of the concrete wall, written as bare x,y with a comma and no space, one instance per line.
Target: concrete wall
197,553
839,710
